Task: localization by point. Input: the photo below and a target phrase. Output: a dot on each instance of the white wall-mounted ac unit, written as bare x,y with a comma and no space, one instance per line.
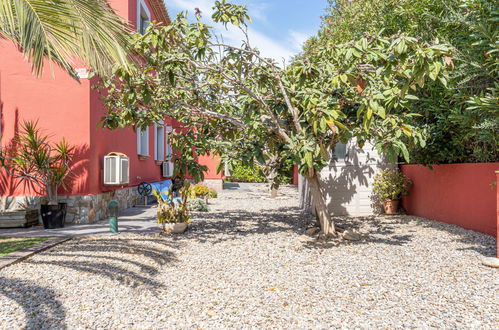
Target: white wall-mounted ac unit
167,168
116,169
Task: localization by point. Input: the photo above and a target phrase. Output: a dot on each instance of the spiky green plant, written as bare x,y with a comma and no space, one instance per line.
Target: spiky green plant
38,161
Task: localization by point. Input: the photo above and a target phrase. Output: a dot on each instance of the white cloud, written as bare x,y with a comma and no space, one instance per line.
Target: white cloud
298,38
283,48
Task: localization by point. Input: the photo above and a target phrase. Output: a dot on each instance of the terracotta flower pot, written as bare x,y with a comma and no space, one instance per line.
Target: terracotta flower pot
391,206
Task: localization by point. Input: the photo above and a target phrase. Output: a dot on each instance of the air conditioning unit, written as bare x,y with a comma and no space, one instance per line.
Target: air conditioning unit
168,168
116,169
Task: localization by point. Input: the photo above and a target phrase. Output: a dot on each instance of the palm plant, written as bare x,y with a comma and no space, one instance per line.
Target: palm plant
38,162
61,30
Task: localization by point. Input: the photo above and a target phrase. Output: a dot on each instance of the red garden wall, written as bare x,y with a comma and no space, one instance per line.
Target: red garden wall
460,194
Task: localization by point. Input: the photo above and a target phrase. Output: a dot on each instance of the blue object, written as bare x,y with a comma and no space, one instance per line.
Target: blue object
162,187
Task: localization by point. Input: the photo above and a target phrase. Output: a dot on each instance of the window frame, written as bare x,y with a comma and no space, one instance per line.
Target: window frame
142,7
140,152
159,150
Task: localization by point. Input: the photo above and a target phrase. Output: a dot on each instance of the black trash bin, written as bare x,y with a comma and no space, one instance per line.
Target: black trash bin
54,216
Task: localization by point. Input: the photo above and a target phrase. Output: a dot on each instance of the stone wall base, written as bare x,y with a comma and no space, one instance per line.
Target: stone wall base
81,209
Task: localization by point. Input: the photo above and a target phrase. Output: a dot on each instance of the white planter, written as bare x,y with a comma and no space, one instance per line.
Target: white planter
175,228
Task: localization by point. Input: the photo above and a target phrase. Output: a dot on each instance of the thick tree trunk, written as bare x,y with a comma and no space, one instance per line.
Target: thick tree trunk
321,211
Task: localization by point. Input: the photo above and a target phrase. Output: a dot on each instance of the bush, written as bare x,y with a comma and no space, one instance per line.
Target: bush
391,184
199,191
245,173
212,193
197,205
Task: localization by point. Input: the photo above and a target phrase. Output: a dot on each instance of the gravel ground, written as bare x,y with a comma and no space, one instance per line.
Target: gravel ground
248,264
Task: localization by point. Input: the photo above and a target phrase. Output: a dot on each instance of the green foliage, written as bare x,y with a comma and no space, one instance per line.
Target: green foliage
199,191
198,205
235,103
247,107
246,173
171,211
462,120
391,184
37,161
212,193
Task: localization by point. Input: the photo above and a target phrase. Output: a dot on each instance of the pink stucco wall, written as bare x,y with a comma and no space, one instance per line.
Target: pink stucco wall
460,194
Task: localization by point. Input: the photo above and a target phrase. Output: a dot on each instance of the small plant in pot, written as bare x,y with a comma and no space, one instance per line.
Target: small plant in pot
390,186
173,212
43,165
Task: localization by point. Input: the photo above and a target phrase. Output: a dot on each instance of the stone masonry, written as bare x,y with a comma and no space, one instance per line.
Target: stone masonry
81,209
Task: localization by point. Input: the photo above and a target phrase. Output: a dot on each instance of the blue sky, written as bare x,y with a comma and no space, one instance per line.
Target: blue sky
278,29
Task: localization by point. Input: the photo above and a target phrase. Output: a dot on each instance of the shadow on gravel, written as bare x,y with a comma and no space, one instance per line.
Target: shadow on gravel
239,223
40,305
382,229
86,255
481,243
383,232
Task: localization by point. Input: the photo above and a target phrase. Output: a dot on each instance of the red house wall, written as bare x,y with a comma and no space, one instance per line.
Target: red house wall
459,194
59,103
66,108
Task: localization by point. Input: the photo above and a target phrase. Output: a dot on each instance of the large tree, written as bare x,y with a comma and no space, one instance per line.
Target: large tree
63,30
462,120
239,104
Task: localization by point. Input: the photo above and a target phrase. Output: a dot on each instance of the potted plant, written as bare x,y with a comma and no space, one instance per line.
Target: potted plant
390,186
173,212
43,165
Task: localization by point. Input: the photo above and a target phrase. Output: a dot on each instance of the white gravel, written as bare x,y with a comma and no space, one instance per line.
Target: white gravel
248,264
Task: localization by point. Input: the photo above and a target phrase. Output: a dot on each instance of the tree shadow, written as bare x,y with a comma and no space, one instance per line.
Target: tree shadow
85,255
239,223
41,307
398,230
344,180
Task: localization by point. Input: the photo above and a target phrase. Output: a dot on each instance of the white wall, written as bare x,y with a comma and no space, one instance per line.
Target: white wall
347,182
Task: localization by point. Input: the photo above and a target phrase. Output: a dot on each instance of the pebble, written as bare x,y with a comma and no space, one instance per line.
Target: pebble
247,264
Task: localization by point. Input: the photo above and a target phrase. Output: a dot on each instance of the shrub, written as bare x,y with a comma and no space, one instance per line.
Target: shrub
212,193
391,184
197,205
199,191
245,173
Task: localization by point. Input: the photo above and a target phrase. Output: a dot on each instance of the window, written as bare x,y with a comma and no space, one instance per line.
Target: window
168,146
340,151
159,142
143,141
143,16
